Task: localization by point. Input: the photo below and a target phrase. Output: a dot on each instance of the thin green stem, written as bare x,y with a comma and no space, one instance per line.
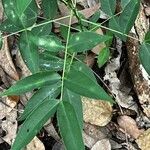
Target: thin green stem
65,57
36,25
99,25
71,61
107,20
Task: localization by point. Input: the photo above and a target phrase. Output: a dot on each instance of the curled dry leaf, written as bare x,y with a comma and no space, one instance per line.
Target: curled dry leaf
96,112
141,24
6,61
147,11
122,97
21,64
89,60
95,132
143,140
7,104
35,144
103,144
88,140
51,131
129,126
10,127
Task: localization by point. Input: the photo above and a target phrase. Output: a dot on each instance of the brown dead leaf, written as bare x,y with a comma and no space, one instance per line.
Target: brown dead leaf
89,60
6,61
21,64
96,112
88,140
35,144
64,11
100,46
147,11
143,140
10,127
51,131
103,144
7,103
129,126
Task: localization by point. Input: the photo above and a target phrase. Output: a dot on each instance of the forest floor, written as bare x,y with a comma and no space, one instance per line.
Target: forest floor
123,126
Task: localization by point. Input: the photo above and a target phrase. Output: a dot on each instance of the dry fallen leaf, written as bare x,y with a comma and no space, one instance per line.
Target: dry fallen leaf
103,144
89,60
6,61
10,127
143,140
88,140
129,126
35,144
96,112
21,64
64,11
51,131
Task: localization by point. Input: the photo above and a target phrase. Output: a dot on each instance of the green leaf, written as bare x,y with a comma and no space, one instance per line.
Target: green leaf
28,16
22,16
147,37
31,82
50,62
144,54
82,66
128,16
124,3
29,51
42,30
8,26
81,83
103,56
75,100
49,42
35,101
69,127
94,19
108,6
10,11
22,5
34,123
50,8
64,31
84,41
115,26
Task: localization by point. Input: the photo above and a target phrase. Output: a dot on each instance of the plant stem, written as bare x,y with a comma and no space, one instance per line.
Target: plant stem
65,57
